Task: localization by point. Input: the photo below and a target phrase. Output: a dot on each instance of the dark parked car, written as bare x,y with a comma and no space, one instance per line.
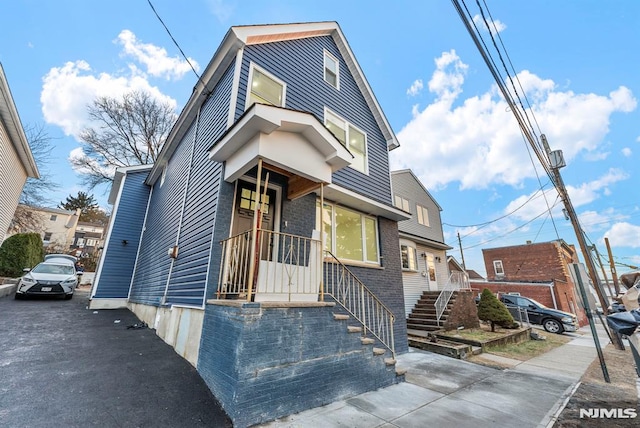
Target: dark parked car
553,320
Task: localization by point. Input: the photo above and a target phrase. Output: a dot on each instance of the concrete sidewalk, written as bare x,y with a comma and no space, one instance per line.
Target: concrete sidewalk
441,391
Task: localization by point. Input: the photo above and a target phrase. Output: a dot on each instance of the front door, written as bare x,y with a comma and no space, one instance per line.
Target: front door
243,214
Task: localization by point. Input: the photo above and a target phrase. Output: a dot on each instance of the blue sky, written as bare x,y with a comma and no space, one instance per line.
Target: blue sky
577,60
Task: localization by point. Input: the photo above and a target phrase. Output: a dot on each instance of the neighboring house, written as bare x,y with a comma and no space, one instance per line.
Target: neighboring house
422,247
88,239
16,159
265,220
56,227
541,271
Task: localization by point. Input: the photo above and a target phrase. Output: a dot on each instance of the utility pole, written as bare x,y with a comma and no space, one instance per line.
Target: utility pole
557,162
614,275
461,253
604,272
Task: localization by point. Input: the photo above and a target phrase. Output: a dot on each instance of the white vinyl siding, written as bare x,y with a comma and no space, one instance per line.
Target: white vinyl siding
12,179
416,282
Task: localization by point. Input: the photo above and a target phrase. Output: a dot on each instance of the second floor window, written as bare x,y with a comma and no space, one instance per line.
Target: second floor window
47,236
53,217
351,137
423,215
265,88
401,203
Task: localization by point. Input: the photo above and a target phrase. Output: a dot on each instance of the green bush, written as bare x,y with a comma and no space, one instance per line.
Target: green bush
20,251
493,310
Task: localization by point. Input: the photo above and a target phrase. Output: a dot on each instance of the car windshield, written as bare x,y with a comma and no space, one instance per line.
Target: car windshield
54,269
535,302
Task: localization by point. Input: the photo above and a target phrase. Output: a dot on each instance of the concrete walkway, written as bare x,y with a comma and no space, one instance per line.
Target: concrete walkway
441,392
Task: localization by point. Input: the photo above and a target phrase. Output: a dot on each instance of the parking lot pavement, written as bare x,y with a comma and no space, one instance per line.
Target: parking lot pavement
64,365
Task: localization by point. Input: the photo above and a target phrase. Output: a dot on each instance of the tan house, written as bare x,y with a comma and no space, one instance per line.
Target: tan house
57,227
16,159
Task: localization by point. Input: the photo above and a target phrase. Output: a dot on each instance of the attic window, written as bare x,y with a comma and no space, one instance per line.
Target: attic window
265,88
498,268
401,203
331,70
423,215
53,217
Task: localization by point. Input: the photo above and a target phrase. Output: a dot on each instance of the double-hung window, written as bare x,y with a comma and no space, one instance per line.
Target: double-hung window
331,70
349,235
423,215
409,257
351,137
264,88
498,268
401,203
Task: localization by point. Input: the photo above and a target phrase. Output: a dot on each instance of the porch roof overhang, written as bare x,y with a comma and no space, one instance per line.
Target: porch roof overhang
364,204
291,140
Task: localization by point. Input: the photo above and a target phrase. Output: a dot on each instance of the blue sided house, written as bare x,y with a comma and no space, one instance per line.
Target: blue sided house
263,243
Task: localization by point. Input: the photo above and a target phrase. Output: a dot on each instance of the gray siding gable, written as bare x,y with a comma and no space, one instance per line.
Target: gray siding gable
127,221
407,185
299,63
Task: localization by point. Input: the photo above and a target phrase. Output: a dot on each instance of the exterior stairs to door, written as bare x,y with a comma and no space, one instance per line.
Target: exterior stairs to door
422,319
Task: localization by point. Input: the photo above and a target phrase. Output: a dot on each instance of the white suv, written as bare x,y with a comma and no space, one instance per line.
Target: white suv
55,276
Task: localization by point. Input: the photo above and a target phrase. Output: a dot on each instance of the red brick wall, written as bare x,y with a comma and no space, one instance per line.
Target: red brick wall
539,292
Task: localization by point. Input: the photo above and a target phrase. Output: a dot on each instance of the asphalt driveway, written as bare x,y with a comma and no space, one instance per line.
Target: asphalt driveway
62,364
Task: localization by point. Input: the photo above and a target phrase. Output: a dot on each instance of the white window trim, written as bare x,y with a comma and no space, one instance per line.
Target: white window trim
326,55
347,124
363,216
247,98
410,247
497,263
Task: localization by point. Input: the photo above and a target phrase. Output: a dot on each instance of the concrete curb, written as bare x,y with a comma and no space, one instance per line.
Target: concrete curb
7,289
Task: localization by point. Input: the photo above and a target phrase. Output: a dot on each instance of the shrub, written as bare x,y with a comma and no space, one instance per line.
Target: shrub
23,250
493,310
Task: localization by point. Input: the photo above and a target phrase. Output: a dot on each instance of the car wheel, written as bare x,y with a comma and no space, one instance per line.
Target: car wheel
19,296
552,326
68,296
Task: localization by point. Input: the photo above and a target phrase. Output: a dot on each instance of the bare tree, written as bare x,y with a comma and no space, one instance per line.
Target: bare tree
36,190
127,131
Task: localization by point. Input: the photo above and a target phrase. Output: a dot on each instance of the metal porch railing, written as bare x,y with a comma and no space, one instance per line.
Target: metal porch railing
286,266
457,281
346,289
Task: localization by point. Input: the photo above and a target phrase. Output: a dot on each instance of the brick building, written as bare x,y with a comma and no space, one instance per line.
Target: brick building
536,270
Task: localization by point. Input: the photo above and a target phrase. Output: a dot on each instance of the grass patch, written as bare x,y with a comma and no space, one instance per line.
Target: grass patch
529,349
477,334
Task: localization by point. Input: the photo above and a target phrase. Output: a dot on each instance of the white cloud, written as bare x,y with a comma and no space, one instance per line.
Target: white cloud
477,142
494,27
626,152
78,154
221,9
415,88
624,235
68,90
155,58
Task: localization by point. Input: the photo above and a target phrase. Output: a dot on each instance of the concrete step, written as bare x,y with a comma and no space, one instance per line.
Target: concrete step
367,341
354,329
390,361
379,351
340,317
400,372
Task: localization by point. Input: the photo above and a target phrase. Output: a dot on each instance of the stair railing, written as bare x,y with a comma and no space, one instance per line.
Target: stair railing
347,290
456,281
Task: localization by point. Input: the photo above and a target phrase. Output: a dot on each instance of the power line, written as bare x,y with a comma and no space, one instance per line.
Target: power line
176,43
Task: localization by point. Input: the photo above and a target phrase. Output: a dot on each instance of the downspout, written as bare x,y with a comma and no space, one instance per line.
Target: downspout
174,251
553,295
